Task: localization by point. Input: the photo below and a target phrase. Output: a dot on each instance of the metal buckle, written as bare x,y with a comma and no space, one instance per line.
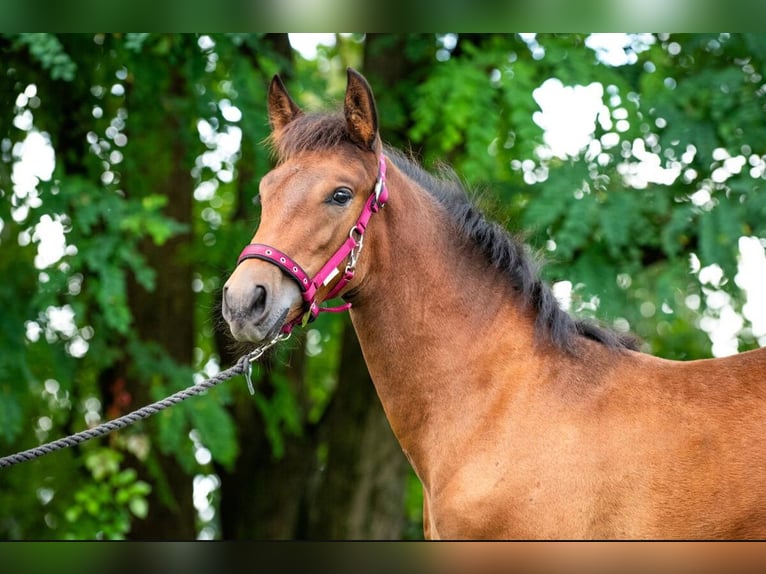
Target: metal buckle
353,256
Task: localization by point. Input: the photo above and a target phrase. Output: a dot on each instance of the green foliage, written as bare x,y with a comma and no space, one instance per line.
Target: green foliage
110,213
280,412
208,416
482,81
49,52
148,221
135,41
216,430
11,414
101,509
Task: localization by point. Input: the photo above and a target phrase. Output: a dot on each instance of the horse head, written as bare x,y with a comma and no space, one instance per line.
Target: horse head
315,206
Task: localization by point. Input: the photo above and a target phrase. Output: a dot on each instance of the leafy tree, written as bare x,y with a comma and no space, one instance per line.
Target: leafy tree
158,143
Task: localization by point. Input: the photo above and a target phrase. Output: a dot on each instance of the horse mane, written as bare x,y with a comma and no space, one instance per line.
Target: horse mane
509,256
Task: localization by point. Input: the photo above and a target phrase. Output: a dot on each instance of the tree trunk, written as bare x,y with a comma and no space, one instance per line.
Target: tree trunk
164,315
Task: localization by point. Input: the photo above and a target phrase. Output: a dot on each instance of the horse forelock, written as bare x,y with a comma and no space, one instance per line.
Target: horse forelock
316,131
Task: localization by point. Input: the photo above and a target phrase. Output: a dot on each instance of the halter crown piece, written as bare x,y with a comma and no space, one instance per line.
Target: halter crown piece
350,250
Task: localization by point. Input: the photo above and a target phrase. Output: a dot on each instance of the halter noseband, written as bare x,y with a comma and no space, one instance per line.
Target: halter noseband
350,249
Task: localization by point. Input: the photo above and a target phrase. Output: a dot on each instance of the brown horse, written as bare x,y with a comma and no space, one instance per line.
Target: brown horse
520,421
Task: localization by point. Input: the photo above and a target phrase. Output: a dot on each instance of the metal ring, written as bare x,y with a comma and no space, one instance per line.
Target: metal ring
358,232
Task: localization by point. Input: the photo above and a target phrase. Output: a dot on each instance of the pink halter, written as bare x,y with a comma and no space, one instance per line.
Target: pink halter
349,249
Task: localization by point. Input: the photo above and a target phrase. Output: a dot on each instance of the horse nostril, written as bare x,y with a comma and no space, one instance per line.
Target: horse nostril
258,304
225,305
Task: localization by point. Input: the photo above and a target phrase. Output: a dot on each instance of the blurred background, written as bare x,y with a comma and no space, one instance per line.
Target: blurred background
634,164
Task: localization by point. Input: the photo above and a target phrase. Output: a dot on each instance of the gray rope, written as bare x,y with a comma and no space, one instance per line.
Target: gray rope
242,366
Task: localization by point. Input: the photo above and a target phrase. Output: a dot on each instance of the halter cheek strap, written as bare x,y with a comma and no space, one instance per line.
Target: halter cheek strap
350,250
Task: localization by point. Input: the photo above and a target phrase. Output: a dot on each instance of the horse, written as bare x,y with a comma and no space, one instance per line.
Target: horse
520,421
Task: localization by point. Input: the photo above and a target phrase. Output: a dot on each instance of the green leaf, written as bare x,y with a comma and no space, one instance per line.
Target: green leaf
139,507
216,429
125,477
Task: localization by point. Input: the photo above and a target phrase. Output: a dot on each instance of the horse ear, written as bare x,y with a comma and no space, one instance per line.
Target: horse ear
361,113
282,108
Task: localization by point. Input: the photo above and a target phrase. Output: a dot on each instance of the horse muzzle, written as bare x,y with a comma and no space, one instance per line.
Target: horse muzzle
257,300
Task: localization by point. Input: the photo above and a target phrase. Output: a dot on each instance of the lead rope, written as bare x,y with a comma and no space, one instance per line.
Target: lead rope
243,366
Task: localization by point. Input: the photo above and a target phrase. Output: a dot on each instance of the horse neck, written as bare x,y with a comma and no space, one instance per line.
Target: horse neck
431,320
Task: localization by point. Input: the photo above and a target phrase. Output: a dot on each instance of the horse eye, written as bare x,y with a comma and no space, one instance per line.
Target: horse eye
341,196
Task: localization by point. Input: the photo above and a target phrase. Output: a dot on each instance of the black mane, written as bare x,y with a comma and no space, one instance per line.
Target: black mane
510,257
320,131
